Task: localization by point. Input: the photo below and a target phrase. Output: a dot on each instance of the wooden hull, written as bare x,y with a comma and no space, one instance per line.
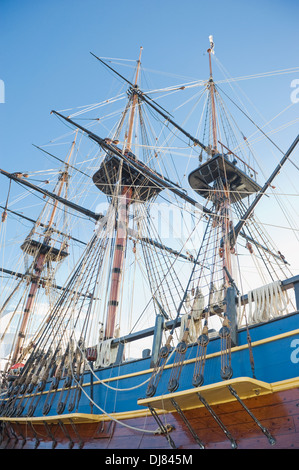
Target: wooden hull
278,412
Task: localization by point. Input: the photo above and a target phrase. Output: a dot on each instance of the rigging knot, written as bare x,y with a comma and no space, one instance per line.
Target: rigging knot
167,427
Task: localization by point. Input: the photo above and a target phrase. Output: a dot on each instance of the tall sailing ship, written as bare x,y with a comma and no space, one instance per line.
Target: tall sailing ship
149,344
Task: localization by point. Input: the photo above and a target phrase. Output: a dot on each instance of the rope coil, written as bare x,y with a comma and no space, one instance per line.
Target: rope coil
269,302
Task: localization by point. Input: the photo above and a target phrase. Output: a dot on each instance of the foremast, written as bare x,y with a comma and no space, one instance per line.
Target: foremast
211,87
224,185
222,196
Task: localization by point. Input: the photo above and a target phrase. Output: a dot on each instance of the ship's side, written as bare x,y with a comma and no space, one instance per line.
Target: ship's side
113,412
278,412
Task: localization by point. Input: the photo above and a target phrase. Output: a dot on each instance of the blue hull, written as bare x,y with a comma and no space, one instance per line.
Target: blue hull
117,389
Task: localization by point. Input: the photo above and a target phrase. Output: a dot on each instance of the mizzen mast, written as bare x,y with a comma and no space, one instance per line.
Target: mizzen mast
42,253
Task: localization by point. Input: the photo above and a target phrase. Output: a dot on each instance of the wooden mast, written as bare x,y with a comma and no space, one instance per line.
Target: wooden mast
223,195
123,204
38,268
134,104
212,94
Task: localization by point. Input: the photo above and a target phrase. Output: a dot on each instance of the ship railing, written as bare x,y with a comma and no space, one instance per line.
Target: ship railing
161,325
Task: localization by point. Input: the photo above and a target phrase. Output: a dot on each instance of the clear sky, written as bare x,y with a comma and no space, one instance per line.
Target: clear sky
45,60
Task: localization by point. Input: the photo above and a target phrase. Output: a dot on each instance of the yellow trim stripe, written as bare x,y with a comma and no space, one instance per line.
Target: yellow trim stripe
81,418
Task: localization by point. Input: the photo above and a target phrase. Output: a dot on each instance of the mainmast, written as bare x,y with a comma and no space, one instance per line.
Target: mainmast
41,252
123,203
134,104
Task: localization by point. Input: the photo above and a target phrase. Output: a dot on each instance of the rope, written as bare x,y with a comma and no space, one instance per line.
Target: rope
109,415
270,302
97,406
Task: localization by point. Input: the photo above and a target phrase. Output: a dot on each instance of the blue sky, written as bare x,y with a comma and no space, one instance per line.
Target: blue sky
45,59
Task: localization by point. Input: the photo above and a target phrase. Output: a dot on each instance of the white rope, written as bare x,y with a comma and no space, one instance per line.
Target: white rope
96,405
105,412
87,364
269,302
194,323
106,355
